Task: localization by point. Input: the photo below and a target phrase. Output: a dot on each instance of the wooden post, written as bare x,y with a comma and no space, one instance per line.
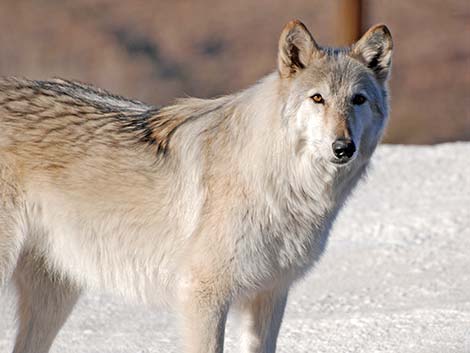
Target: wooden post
349,21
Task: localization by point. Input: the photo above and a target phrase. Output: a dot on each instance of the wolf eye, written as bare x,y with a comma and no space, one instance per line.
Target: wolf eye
317,98
359,99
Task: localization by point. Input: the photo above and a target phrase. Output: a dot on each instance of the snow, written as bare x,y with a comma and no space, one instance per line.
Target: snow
395,276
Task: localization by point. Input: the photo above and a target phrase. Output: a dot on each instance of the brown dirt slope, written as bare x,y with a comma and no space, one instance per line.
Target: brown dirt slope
156,51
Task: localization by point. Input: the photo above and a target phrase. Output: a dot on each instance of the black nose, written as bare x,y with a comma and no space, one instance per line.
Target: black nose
344,148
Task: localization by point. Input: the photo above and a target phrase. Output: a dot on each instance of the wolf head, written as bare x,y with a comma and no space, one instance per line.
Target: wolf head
336,103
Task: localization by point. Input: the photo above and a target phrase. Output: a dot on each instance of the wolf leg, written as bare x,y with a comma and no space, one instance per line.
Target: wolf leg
44,304
10,247
204,317
261,320
11,237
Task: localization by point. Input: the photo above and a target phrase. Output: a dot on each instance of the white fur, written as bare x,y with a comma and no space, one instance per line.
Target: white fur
237,210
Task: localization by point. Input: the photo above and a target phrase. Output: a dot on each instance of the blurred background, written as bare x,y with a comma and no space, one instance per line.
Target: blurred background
156,51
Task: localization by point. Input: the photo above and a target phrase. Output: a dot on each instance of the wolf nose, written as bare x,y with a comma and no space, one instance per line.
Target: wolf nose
344,148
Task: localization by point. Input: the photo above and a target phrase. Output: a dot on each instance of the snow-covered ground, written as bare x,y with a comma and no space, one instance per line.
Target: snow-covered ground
395,276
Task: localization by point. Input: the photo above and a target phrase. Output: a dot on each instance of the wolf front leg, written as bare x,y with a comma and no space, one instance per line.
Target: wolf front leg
204,308
261,321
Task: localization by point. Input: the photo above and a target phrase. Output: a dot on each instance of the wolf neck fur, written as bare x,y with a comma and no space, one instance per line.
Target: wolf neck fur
299,190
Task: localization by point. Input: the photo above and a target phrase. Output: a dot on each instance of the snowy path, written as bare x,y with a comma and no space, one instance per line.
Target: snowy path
395,277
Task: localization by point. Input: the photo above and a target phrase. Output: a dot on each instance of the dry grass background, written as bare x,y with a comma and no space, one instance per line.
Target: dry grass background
158,50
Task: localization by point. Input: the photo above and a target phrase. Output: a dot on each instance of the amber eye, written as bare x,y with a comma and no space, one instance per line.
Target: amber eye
317,98
359,99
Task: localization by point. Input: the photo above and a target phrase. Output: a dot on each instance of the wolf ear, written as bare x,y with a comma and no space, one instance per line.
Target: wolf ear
374,49
296,47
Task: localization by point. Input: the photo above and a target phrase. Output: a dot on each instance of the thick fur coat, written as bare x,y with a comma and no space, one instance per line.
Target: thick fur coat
203,204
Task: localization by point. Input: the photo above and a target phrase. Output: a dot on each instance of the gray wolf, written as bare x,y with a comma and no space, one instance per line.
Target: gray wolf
202,204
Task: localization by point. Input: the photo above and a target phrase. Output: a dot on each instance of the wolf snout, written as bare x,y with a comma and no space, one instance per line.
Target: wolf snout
343,149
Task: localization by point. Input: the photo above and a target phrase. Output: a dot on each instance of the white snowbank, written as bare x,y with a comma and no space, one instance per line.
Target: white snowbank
395,276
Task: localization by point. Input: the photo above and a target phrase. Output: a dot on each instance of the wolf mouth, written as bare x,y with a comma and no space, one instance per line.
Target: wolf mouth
342,161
